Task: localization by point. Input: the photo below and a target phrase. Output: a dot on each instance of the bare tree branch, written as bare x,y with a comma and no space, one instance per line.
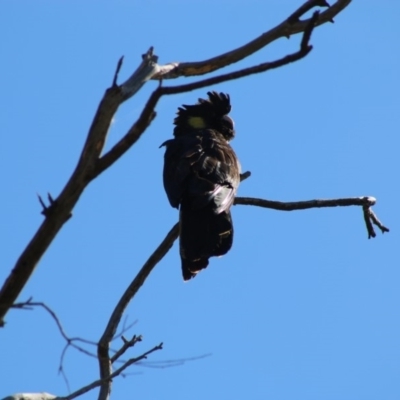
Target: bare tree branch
87,388
171,363
366,203
303,205
371,219
108,378
146,70
29,304
309,5
127,344
60,210
70,341
125,328
289,27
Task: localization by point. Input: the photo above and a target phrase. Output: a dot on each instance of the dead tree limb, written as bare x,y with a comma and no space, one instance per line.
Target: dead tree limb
366,202
287,28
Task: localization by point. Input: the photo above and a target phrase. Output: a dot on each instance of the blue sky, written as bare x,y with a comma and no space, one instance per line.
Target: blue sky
304,306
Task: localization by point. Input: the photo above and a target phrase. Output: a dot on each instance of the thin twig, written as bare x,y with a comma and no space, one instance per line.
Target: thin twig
108,378
170,363
70,341
119,65
124,329
376,222
127,344
371,219
245,176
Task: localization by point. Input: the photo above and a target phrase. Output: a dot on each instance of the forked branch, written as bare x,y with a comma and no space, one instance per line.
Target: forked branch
108,379
287,28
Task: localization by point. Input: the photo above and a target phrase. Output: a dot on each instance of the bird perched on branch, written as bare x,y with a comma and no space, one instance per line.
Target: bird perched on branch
201,177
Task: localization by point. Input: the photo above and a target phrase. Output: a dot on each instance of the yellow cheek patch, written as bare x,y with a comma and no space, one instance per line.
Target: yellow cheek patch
197,122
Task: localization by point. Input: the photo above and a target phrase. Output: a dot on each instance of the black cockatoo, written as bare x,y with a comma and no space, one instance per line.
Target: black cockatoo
201,177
